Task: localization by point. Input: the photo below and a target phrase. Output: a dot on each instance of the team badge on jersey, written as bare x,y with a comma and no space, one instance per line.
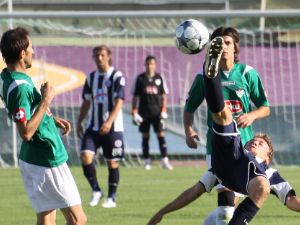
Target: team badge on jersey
20,115
240,92
235,106
157,82
107,83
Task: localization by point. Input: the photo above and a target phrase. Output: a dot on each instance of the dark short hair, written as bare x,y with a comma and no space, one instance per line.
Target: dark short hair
149,58
12,43
100,48
229,31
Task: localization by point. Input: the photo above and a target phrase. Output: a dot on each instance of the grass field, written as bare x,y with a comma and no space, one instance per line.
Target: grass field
141,193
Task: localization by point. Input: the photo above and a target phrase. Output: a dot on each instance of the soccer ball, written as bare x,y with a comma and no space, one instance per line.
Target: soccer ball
191,36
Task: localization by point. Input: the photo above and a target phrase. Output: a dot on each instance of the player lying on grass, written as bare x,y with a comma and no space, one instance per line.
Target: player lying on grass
244,170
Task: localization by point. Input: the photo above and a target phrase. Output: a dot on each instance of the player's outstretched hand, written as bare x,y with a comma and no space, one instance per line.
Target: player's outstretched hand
155,219
47,92
63,124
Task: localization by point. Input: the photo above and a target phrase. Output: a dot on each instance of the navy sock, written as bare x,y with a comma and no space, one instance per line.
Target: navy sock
244,213
145,146
213,93
162,146
90,174
226,198
113,181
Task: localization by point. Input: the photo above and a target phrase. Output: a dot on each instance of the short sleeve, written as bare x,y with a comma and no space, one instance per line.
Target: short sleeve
257,92
119,91
19,104
279,186
87,91
195,95
135,87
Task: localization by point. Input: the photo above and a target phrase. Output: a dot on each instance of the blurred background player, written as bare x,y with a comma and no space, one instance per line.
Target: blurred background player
46,176
103,94
149,107
241,84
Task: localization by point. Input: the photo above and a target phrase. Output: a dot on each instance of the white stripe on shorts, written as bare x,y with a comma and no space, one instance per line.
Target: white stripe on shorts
49,188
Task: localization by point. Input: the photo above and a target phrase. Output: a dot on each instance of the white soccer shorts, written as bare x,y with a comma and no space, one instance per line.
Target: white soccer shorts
49,188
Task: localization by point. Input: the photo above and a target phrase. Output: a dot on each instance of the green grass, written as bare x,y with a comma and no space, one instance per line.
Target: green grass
140,194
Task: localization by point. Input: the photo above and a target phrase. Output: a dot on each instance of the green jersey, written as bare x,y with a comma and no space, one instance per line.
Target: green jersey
21,99
240,86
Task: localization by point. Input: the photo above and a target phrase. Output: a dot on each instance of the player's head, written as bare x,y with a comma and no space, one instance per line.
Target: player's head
231,39
16,46
102,57
150,64
261,146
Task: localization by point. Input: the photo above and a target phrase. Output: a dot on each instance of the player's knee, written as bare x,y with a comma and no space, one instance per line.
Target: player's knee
259,189
111,164
77,219
86,158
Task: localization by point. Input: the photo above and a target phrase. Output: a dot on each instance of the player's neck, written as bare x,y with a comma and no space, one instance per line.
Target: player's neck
18,67
103,69
226,65
149,74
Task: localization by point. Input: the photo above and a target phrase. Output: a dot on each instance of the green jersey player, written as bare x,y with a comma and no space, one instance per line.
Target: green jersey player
241,85
46,176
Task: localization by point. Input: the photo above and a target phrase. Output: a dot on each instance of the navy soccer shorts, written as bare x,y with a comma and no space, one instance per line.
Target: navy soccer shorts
112,144
231,163
157,123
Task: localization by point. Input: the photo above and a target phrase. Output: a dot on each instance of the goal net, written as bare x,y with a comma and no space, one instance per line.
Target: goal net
63,55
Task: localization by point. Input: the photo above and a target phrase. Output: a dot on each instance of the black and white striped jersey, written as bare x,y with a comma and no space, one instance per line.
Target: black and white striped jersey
102,89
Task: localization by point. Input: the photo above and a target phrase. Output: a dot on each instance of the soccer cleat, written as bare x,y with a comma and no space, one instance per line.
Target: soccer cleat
213,56
147,164
166,164
109,203
95,198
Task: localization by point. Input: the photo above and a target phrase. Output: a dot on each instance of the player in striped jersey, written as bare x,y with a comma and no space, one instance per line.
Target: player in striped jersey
103,95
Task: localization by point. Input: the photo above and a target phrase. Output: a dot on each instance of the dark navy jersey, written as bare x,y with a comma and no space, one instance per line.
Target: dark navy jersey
102,89
150,91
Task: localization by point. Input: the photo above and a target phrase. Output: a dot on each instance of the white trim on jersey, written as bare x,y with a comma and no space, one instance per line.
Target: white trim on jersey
164,84
95,103
247,69
13,85
227,134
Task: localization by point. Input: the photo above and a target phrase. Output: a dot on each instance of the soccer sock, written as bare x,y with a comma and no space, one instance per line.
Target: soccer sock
244,213
226,198
90,174
162,146
213,94
113,181
225,207
145,146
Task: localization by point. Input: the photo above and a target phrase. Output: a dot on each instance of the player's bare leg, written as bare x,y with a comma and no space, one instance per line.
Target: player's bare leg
113,181
74,215
89,170
46,218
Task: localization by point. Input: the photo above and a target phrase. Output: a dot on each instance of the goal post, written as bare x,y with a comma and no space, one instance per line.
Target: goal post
63,42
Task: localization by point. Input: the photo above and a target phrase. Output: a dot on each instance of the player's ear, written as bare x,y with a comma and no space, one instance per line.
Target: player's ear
22,54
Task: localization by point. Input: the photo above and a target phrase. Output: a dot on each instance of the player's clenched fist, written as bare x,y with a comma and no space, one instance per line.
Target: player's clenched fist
47,92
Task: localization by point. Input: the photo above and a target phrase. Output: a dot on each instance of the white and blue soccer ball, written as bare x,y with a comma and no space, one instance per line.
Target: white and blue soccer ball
191,36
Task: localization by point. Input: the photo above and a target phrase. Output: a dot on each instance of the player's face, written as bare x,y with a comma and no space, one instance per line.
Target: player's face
228,52
151,66
258,147
28,54
102,59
